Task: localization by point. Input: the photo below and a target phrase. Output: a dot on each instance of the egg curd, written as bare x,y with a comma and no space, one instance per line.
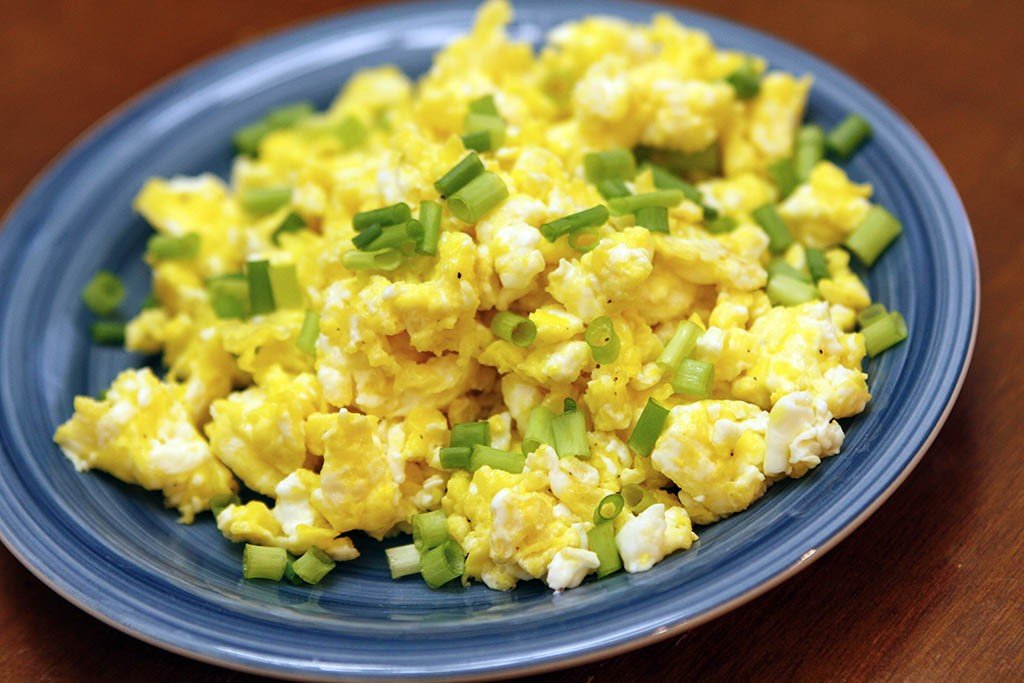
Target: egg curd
333,394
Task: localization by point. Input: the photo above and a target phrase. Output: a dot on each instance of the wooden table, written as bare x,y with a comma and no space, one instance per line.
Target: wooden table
931,587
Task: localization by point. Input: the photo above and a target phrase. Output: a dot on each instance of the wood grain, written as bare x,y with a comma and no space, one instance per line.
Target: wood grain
932,587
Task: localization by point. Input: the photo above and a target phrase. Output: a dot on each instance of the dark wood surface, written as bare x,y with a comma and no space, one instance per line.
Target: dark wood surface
931,587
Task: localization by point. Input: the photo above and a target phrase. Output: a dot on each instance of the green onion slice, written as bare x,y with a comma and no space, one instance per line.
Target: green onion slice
395,236
430,219
783,290
496,459
471,433
223,501
694,378
722,225
313,566
514,328
609,508
479,141
309,333
108,332
585,239
612,187
648,428
366,237
817,265
870,314
442,564
403,560
601,540
484,105
873,235
493,125
259,562
779,266
611,164
284,282
171,248
104,293
810,149
654,218
884,332
477,197
768,218
288,115
570,432
745,81
293,222
385,259
429,529
351,132
593,217
261,200
682,344
229,295
460,175
637,497
783,174
538,429
261,291
665,179
621,206
604,343
455,457
848,136
382,217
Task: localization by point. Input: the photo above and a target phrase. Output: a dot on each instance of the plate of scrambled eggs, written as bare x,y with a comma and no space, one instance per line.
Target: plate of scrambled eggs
394,335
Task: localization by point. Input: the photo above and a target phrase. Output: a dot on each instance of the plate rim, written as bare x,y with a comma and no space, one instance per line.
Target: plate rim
817,64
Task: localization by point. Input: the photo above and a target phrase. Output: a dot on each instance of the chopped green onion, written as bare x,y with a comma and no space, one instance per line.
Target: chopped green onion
351,132
477,197
584,240
489,123
601,540
484,105
609,508
601,338
385,259
365,238
779,266
648,428
259,562
429,529
538,429
871,314
593,217
817,266
288,115
666,198
225,500
845,138
261,292
289,572
611,164
293,222
496,459
104,293
876,231
430,219
637,497
783,290
612,187
455,457
460,175
108,332
771,222
260,200
783,174
313,566
396,236
284,283
170,248
570,432
745,80
710,213
150,302
666,180
705,161
682,344
654,218
694,378
309,333
514,328
568,405
383,217
442,564
722,225
229,295
248,138
471,433
810,149
403,560
884,332
480,141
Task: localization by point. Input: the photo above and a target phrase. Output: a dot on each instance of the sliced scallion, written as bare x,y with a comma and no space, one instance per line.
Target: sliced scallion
604,343
637,497
771,222
783,174
172,248
480,141
876,231
514,328
483,105
261,200
364,238
654,218
442,564
609,508
284,282
694,378
884,332
383,217
430,219
429,529
455,457
477,197
259,562
496,458
850,134
396,236
621,206
471,433
681,345
403,560
570,432
817,266
721,225
229,295
745,81
593,217
601,540
261,291
585,239
665,179
223,501
538,429
309,333
779,266
871,314
648,428
460,174
610,164
385,259
810,149
104,293
293,222
612,187
313,566
108,332
491,124
783,290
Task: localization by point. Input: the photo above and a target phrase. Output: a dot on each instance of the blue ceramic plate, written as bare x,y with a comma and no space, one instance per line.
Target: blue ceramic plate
112,550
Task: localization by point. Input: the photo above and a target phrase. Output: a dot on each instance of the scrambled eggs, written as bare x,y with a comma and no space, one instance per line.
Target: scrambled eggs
348,438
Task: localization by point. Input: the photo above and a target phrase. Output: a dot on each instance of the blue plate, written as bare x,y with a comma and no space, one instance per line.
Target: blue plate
113,551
